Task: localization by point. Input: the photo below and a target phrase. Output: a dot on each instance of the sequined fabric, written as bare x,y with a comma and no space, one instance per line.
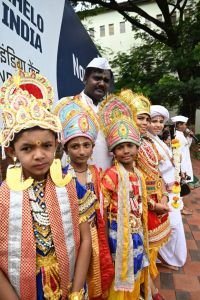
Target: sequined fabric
47,268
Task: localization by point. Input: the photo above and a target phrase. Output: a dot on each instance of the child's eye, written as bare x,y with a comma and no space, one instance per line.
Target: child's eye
75,147
47,145
26,149
87,145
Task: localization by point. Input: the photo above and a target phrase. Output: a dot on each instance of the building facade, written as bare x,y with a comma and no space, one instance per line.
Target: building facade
112,32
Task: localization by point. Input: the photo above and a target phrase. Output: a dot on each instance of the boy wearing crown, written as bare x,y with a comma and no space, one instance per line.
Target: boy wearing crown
45,240
125,201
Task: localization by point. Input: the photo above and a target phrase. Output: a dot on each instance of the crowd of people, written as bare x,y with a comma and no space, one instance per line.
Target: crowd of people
94,220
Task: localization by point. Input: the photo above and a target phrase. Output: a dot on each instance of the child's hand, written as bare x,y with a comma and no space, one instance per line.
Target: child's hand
161,208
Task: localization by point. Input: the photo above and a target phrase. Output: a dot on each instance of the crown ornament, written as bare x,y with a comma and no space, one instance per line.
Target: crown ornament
140,103
25,101
77,119
116,115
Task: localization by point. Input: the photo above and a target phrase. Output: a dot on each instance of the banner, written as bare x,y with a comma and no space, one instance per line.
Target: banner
47,37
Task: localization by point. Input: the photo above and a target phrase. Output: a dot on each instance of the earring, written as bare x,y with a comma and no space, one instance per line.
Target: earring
114,161
14,177
57,175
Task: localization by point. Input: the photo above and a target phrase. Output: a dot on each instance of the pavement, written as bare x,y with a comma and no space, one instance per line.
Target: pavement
184,284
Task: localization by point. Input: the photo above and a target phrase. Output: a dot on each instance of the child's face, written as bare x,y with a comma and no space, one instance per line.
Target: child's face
156,126
79,150
125,153
143,121
181,126
35,150
168,141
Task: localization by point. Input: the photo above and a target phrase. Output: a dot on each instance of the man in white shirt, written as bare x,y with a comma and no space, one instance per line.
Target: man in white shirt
98,78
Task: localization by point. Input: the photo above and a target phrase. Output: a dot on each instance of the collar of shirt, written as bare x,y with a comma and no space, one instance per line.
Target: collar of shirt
88,101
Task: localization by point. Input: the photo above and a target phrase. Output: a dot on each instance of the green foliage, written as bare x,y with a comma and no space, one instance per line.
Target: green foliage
144,70
167,66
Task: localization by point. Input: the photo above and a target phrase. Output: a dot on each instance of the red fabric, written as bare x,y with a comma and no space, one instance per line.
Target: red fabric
154,220
106,265
158,296
28,253
58,231
32,89
107,268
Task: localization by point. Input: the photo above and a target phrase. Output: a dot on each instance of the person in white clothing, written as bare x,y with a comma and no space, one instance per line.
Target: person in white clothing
174,253
186,164
98,78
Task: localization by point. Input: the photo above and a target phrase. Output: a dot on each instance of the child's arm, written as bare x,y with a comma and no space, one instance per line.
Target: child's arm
6,290
83,259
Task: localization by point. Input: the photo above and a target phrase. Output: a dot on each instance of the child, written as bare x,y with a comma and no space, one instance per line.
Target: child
157,196
80,129
45,244
125,202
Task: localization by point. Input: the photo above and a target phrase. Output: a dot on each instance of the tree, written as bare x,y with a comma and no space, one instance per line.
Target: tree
181,38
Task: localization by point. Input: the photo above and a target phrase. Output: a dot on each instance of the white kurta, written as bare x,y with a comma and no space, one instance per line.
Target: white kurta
101,156
186,164
175,251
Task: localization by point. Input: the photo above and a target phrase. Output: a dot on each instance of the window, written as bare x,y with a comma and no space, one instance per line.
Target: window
159,17
122,28
91,32
102,30
111,29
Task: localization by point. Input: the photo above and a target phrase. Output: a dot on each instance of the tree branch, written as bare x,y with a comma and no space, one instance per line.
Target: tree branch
168,34
154,34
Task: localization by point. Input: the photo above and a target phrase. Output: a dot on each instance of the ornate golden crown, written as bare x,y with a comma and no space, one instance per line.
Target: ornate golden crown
25,100
139,104
116,118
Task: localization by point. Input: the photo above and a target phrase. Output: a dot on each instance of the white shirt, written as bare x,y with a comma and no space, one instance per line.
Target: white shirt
101,157
186,164
165,165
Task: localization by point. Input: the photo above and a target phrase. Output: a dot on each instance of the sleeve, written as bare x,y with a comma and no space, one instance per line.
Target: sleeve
189,139
109,185
183,159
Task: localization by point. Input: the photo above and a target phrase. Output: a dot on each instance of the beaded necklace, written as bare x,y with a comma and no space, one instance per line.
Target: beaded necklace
135,200
149,152
41,223
89,184
147,158
162,145
38,206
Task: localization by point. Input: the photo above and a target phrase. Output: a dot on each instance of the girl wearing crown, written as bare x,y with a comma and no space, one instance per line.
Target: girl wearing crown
80,129
125,202
157,196
45,238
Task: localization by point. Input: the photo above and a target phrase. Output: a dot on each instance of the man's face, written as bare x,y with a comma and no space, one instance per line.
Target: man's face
97,84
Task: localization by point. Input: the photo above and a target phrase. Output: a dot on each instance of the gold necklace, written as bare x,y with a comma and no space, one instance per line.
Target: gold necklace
145,144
